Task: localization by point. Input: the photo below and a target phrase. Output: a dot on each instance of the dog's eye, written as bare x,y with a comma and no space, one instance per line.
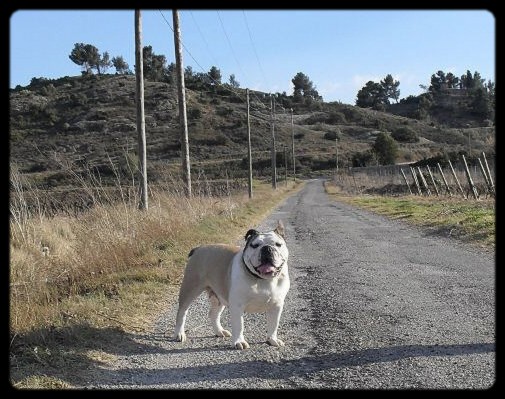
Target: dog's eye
278,244
254,245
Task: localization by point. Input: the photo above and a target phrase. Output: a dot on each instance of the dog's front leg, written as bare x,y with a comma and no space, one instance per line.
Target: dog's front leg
216,308
237,326
273,318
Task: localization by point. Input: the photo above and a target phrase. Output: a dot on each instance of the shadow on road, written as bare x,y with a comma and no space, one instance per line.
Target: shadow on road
281,370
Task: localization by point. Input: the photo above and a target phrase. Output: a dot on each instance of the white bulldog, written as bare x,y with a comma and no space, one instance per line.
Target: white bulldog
252,279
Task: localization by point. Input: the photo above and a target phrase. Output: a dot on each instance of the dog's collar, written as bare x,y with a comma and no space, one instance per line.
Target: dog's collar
257,275
249,270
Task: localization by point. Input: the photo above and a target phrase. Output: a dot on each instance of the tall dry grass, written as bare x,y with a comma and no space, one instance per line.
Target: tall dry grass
60,257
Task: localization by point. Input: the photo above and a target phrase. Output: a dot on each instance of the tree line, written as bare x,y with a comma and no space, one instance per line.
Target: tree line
376,95
441,81
156,68
89,58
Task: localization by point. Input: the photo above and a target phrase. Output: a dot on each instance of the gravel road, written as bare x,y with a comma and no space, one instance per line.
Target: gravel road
374,304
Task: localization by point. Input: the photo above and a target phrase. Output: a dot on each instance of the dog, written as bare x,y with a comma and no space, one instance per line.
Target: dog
252,279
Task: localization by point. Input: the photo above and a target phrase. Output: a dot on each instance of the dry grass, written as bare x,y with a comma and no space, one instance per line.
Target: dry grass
468,220
106,272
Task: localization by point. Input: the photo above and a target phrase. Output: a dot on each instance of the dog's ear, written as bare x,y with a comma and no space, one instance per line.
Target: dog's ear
280,228
250,234
192,252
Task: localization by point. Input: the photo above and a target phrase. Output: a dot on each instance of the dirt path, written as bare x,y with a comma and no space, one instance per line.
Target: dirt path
374,303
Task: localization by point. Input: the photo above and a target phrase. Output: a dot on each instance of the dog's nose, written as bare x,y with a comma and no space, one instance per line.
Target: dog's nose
267,250
267,254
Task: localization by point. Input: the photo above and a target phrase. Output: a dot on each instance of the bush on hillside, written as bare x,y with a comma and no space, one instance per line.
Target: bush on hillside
405,134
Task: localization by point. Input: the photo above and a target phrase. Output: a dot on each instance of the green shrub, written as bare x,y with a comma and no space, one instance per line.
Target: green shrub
79,99
405,134
351,114
336,117
316,118
194,113
331,136
48,90
365,158
224,111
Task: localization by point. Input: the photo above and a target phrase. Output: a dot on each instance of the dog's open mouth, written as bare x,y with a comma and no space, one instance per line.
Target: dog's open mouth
266,268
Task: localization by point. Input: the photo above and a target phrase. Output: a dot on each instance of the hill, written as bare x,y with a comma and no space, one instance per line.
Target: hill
67,128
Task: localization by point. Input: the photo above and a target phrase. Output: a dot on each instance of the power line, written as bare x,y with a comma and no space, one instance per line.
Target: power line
226,87
185,48
229,43
239,95
197,63
254,49
203,38
168,23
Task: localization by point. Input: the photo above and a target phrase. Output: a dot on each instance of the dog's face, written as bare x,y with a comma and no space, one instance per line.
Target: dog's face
265,254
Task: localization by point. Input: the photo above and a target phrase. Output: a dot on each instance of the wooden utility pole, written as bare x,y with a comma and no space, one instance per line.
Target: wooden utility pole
286,164
274,155
139,99
181,91
336,152
249,154
293,145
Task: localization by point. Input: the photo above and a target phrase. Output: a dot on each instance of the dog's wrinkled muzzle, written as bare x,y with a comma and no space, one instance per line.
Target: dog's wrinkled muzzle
267,267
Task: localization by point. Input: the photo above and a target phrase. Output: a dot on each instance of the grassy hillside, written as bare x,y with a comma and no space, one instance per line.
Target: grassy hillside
70,130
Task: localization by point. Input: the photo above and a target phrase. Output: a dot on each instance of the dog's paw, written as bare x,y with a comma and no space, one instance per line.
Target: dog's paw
180,337
223,333
241,345
275,342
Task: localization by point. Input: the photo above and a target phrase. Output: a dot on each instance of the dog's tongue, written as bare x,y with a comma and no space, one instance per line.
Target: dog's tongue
266,268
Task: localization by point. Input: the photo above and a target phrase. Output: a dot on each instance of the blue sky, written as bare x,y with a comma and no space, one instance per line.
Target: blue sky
339,50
